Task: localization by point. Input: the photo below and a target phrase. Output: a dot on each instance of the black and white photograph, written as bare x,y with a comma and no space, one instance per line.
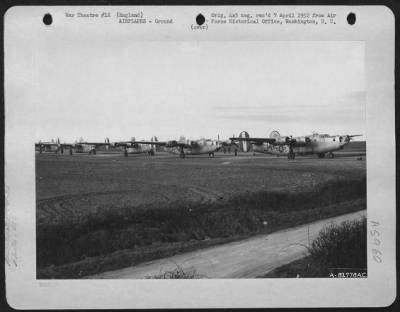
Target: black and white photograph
199,201
190,144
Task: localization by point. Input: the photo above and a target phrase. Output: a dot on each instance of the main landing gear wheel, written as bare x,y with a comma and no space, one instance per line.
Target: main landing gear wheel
235,152
321,155
70,151
291,156
331,155
151,153
126,153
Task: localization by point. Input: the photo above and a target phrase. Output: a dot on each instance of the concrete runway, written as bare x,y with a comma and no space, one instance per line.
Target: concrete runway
247,258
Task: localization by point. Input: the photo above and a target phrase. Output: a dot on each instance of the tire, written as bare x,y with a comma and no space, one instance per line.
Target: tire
321,155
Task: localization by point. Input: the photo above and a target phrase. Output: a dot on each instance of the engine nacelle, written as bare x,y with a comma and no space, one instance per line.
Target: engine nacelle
172,143
281,140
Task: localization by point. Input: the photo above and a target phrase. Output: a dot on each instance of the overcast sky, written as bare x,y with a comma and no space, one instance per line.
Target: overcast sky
117,88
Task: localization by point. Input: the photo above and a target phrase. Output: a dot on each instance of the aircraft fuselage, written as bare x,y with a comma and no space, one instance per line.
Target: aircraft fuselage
200,147
139,149
84,148
318,145
48,149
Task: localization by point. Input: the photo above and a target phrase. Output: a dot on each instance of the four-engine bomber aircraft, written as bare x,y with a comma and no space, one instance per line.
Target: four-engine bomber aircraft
136,147
78,147
319,144
197,147
85,147
52,146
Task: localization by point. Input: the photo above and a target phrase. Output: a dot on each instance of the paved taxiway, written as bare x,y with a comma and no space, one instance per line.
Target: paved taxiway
242,259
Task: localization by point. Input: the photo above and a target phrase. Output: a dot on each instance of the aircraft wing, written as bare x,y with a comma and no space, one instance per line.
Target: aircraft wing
354,135
180,144
256,141
282,141
90,143
46,144
228,144
169,143
67,145
138,142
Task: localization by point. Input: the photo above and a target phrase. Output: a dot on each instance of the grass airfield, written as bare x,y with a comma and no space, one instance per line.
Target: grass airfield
105,211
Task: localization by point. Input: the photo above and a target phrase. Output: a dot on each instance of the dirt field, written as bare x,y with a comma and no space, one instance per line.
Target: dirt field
74,190
70,187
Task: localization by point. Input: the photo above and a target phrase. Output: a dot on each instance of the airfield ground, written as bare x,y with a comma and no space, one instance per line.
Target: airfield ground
103,212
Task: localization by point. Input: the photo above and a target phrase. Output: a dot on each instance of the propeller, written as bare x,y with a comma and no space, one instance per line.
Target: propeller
291,142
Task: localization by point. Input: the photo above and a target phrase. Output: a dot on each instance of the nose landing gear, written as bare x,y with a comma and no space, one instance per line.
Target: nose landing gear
331,155
181,153
291,155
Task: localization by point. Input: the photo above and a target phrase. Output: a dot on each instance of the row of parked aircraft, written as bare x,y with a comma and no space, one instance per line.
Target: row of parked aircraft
275,144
